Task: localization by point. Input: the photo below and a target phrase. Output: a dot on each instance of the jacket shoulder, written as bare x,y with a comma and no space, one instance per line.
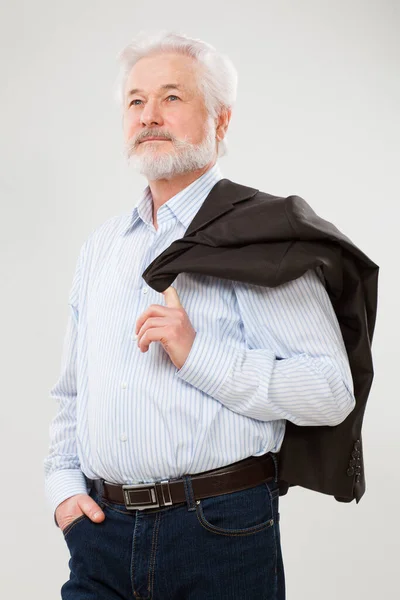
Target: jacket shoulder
299,213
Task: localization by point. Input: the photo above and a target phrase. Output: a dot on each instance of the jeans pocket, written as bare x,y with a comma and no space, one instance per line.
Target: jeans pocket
240,513
71,525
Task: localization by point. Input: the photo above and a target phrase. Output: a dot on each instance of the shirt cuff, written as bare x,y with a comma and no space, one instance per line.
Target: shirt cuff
208,363
63,484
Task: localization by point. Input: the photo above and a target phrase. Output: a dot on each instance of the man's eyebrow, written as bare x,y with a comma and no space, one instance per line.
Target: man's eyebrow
166,86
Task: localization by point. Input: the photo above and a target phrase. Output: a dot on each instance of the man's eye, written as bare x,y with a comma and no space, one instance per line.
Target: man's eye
173,96
133,102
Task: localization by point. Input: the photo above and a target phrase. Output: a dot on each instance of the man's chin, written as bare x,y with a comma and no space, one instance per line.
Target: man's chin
152,149
148,169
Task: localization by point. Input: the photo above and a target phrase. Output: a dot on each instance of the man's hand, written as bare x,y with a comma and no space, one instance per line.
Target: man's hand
169,325
74,507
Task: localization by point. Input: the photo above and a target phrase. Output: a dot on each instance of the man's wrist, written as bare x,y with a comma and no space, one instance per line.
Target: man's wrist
63,484
208,363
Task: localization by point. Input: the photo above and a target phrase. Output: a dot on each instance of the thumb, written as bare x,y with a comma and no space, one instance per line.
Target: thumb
91,509
171,297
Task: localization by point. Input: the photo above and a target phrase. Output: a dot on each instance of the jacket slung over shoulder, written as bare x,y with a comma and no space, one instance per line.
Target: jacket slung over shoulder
242,234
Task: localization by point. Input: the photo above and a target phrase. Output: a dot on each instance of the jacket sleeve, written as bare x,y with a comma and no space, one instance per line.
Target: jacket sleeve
63,476
295,365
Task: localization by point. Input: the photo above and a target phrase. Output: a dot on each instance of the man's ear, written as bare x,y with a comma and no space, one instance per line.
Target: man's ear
222,122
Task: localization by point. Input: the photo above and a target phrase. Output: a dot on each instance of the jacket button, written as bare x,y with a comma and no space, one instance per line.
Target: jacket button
355,454
350,471
352,463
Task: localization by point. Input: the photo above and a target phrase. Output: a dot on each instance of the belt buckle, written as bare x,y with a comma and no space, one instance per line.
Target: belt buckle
152,502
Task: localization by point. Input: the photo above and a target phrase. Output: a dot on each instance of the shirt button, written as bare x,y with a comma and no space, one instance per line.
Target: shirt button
124,385
145,290
123,437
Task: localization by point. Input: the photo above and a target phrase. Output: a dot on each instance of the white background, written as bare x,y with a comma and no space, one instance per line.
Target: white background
317,115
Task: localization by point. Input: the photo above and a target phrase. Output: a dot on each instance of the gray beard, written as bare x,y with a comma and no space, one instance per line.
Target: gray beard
183,158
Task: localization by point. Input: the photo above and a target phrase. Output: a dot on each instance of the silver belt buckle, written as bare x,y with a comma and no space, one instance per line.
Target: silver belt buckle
152,501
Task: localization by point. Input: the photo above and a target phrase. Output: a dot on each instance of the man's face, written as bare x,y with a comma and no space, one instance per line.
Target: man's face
162,100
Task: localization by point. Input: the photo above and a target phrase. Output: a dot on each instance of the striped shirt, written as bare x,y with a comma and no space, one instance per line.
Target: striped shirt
261,356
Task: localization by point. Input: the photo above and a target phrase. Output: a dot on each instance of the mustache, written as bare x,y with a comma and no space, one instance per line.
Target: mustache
132,143
164,135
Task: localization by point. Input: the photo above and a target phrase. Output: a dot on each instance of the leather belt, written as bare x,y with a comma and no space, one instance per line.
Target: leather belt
241,475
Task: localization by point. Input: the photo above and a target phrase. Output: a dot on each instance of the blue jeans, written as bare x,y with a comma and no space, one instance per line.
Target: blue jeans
223,547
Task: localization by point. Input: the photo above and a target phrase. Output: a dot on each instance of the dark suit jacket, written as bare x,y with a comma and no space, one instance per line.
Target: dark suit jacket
242,234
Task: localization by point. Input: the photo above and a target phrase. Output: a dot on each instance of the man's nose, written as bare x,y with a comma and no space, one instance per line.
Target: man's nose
151,114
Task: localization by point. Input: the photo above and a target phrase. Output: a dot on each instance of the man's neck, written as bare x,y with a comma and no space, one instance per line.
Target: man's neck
164,189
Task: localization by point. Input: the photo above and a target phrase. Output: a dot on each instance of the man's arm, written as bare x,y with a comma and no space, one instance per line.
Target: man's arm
63,476
296,365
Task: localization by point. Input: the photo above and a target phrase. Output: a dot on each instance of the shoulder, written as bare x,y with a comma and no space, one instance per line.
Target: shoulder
105,232
100,240
293,207
292,203
113,226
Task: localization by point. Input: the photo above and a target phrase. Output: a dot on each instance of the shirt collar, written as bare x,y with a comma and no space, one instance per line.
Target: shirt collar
184,205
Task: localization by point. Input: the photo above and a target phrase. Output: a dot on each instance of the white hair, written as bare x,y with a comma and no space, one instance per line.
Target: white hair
218,80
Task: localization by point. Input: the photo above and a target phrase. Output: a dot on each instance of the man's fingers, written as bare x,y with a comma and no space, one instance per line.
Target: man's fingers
91,509
72,508
171,299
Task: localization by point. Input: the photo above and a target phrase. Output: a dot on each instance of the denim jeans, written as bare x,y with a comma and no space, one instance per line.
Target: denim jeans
222,547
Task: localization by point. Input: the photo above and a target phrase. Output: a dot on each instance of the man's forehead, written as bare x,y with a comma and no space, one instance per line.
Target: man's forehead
161,88
162,72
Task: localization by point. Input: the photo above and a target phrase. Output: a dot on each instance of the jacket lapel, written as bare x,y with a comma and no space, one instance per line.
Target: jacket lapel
222,198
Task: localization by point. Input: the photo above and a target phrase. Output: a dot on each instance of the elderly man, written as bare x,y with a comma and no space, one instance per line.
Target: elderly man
160,490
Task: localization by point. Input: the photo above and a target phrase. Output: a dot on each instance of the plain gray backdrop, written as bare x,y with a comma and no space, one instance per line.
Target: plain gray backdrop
317,115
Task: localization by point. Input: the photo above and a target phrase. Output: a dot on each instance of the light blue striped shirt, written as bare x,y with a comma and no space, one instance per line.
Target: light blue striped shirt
261,356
